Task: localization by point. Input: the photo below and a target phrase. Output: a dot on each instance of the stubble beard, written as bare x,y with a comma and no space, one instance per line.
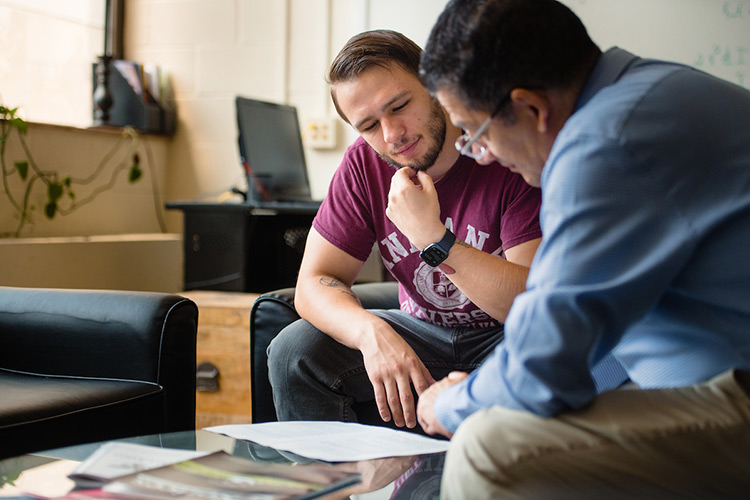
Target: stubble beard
436,129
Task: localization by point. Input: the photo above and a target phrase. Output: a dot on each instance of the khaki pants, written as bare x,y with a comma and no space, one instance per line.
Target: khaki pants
689,442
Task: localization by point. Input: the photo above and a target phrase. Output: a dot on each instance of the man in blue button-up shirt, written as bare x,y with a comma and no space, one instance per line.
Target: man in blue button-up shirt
645,174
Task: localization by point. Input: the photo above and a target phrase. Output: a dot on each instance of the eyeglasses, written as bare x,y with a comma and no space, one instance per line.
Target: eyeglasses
465,144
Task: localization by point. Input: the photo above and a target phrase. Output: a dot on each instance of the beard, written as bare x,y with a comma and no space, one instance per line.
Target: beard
435,134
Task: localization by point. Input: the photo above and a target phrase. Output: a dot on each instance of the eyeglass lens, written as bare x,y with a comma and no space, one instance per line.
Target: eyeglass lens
465,144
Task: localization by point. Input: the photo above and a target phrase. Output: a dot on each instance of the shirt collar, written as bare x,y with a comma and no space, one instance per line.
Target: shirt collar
611,66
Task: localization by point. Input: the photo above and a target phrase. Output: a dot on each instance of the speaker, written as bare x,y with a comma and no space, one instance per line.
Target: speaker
240,251
215,251
274,255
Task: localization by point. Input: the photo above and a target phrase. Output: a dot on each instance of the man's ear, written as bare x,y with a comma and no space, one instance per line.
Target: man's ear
536,103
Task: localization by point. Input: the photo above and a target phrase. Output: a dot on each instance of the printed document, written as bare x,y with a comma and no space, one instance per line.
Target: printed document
334,441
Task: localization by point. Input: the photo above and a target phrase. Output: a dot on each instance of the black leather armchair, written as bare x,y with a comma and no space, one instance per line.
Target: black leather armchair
271,312
78,366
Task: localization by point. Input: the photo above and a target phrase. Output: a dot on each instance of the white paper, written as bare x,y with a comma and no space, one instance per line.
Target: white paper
334,441
117,459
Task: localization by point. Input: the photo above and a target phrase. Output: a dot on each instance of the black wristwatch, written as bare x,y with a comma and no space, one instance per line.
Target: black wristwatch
436,253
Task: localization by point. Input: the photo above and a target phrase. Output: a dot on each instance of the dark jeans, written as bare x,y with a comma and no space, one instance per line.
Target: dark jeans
316,378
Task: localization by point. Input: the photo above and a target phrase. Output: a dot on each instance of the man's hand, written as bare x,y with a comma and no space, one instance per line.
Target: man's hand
414,208
426,407
393,367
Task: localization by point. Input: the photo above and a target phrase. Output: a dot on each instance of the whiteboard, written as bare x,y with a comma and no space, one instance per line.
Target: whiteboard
712,35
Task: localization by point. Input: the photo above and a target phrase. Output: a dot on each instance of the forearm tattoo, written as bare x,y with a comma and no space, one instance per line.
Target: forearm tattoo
337,283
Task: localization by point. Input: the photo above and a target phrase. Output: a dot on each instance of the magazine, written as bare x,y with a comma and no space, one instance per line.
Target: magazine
224,476
116,459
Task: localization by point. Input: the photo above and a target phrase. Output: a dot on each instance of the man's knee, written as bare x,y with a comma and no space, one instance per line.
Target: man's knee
301,350
504,434
313,376
490,452
285,344
295,343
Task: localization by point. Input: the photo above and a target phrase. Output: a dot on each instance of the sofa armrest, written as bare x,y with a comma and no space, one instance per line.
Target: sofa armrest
271,313
105,334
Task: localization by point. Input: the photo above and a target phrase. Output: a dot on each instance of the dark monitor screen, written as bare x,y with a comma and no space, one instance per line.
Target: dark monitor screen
271,146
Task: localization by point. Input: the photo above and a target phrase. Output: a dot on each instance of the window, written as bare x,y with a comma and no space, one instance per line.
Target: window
46,56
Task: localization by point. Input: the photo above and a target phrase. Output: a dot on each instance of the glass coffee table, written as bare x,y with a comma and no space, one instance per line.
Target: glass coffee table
45,473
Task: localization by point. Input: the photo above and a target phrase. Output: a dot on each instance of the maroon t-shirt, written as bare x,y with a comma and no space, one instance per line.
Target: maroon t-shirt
487,206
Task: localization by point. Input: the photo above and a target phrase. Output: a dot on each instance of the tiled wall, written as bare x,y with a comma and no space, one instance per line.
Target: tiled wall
271,50
213,50
279,50
276,50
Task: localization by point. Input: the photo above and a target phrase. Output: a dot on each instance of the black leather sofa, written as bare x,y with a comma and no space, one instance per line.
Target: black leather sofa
271,312
78,366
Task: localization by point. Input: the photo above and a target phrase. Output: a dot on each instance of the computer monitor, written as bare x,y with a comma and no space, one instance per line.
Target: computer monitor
271,149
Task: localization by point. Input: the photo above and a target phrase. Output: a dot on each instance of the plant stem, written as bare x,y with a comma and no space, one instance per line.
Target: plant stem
4,135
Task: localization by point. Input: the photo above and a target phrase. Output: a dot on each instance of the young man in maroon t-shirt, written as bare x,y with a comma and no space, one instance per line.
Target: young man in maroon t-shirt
454,288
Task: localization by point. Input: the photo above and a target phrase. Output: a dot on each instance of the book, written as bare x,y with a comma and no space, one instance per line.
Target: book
225,476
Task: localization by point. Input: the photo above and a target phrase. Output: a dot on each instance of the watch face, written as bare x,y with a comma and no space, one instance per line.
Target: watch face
433,255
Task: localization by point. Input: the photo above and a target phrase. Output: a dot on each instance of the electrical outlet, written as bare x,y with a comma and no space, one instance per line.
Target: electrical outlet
320,133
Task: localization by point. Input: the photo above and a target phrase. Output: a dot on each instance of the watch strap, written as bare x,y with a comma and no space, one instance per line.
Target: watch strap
435,253
447,241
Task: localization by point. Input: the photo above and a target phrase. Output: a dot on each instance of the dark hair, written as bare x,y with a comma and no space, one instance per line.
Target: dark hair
482,49
380,48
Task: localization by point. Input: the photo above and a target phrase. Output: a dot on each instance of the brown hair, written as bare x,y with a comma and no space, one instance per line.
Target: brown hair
380,48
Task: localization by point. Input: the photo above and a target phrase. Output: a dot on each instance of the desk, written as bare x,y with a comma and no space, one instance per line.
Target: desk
239,248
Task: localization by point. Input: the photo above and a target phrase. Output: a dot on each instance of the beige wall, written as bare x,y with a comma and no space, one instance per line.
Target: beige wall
147,262
125,208
113,242
277,51
280,50
212,50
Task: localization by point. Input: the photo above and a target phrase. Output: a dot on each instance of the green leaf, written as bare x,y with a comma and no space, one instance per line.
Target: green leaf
50,209
66,181
23,169
54,191
7,112
20,125
135,173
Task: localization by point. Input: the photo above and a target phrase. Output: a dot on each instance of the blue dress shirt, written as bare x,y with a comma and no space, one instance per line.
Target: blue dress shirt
646,246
